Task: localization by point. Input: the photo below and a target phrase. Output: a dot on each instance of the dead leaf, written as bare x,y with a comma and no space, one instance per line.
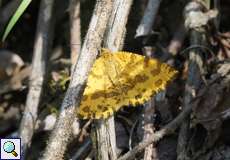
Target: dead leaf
10,64
15,82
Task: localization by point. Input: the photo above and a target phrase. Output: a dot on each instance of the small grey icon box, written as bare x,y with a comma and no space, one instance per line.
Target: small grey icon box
10,148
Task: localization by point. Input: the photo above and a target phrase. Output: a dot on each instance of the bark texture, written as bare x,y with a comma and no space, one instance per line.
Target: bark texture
62,131
41,49
114,39
147,21
195,73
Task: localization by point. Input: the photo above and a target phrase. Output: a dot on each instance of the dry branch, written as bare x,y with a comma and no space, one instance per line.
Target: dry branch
168,129
75,34
62,131
84,147
145,27
41,49
217,19
177,41
149,128
75,30
116,29
195,72
149,111
114,39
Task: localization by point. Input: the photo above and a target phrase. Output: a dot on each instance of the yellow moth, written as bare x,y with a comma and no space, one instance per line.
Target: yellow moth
121,79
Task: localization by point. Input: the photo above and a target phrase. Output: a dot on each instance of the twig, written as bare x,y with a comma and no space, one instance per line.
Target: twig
173,125
149,128
75,30
195,72
62,131
41,49
114,39
131,132
145,27
177,40
83,131
75,34
217,19
84,147
170,128
116,29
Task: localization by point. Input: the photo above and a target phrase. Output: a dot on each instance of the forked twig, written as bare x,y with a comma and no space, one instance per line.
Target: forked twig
105,130
60,136
170,128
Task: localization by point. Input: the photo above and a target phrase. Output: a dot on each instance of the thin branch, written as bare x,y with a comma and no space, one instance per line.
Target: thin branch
177,41
195,72
75,34
84,147
168,129
224,78
62,131
114,39
41,49
75,30
145,27
217,19
149,110
149,128
116,29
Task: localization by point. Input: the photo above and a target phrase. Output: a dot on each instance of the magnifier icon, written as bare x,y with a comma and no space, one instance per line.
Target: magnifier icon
9,147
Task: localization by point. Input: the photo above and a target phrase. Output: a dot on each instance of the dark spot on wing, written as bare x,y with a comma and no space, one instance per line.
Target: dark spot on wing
159,82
